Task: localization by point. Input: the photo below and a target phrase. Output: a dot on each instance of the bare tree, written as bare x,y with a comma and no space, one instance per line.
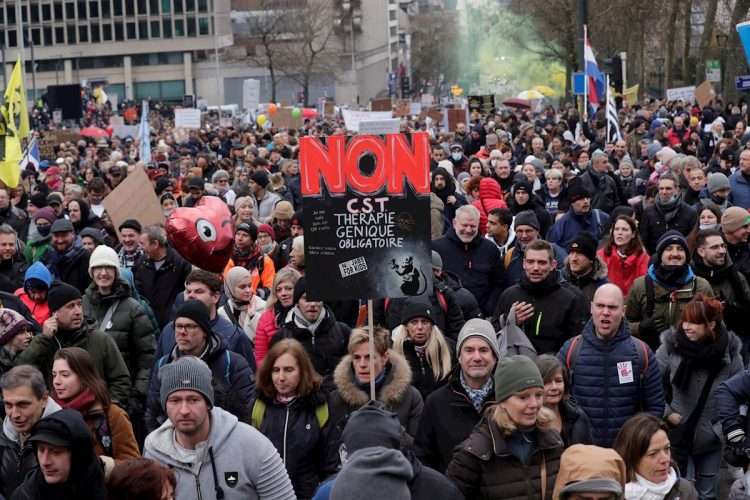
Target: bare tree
269,30
687,35
313,50
435,40
708,31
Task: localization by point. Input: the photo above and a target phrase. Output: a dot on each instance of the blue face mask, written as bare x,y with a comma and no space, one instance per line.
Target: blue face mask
457,156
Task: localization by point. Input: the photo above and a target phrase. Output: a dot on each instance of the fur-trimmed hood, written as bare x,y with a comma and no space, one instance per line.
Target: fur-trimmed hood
598,273
391,393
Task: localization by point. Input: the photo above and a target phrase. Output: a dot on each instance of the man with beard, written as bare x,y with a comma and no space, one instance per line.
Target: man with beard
668,213
66,258
444,186
655,301
580,217
474,259
711,261
549,311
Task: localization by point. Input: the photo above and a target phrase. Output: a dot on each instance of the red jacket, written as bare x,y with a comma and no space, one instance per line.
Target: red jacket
623,272
490,198
40,312
264,332
675,138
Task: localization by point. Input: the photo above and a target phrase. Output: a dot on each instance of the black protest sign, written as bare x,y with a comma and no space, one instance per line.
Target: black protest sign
366,212
481,103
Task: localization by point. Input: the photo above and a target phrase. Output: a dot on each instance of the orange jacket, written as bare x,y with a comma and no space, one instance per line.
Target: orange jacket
259,280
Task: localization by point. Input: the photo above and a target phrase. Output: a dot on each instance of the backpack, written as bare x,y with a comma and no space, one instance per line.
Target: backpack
259,410
571,359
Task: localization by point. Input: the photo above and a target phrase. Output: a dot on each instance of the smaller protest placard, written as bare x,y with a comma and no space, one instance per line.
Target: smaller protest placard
383,104
705,93
686,94
120,203
187,118
379,127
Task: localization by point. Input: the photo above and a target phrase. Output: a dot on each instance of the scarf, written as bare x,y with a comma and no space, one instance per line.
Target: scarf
379,380
301,322
705,354
60,260
643,489
96,420
668,209
671,277
81,403
477,396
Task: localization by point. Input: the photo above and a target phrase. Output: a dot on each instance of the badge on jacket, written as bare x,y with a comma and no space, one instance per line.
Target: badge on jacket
625,372
231,478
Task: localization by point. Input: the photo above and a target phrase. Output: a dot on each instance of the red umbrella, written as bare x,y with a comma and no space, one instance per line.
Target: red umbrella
515,102
94,132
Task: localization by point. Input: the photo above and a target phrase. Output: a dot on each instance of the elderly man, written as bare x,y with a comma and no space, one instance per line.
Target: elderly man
598,181
472,258
66,258
611,392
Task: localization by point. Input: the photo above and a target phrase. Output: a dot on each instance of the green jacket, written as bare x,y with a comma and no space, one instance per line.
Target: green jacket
667,306
129,327
35,249
107,358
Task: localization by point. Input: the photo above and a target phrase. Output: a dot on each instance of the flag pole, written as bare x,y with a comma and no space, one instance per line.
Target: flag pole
585,76
606,108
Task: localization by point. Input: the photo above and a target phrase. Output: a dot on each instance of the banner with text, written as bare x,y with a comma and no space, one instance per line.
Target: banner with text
366,204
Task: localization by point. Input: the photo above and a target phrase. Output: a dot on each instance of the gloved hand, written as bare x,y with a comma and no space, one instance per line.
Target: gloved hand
648,327
738,442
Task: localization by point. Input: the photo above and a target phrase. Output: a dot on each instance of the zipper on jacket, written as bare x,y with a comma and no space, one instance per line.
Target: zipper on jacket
198,487
286,426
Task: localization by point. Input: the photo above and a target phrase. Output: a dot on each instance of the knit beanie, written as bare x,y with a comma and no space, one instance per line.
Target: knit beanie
523,185
415,308
300,289
250,229
11,324
186,373
437,261
260,177
198,312
585,244
375,473
372,425
515,374
103,256
92,233
577,191
265,228
717,181
734,218
46,213
672,237
526,218
60,294
477,327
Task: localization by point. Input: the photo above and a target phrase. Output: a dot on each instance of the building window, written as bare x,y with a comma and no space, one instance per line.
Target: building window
81,9
107,32
143,30
83,33
166,25
179,28
48,38
119,32
95,34
392,15
130,8
36,36
189,5
131,31
34,13
106,9
25,13
10,14
203,26
178,7
12,40
142,10
46,12
162,91
153,6
71,32
191,26
155,29
59,35
166,6
70,11
94,9
202,5
118,7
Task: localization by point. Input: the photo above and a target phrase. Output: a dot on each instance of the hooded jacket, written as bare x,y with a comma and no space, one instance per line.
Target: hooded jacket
103,349
560,310
585,464
490,198
233,381
448,190
41,311
708,435
237,459
589,282
129,327
17,461
623,271
477,263
570,225
595,382
12,273
603,188
730,286
86,477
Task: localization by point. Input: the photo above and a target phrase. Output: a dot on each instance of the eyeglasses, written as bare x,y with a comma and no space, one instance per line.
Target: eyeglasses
182,327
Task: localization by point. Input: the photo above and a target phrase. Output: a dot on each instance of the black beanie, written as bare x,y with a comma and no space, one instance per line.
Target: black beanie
60,294
372,425
671,237
250,229
260,177
415,308
577,191
300,288
585,244
198,312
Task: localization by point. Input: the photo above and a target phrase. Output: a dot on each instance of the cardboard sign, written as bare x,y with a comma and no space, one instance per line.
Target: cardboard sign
283,119
705,93
455,116
366,203
352,118
379,127
121,203
187,118
402,108
251,94
686,94
383,104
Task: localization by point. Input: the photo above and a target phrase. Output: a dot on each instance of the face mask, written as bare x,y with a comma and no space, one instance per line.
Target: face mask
43,230
457,156
493,163
266,249
708,226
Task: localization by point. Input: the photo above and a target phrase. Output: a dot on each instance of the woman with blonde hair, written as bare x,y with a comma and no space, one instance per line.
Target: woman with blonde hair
514,452
245,210
278,305
424,346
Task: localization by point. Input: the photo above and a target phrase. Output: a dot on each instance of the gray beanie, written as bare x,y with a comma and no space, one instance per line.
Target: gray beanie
477,327
515,374
526,218
626,159
187,373
717,181
437,261
375,473
652,149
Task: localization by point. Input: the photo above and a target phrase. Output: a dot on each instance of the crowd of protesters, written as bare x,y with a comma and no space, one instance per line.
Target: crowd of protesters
583,337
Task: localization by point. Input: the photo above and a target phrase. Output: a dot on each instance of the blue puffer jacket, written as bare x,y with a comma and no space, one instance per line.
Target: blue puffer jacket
596,384
739,195
571,225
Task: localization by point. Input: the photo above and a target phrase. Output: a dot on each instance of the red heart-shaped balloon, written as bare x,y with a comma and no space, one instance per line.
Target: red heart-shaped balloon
203,234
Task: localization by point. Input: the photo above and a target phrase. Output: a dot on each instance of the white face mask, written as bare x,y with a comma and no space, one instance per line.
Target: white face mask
493,163
457,156
708,226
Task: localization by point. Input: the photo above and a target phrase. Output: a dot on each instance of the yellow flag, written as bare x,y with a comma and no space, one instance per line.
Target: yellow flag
630,94
14,126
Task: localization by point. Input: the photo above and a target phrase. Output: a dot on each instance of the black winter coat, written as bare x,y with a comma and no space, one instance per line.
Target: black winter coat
560,311
452,418
326,347
12,273
576,426
446,311
295,432
72,267
161,287
654,224
423,377
603,189
477,263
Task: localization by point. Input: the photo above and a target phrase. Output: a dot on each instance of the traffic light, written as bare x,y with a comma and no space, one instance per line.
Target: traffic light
613,66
